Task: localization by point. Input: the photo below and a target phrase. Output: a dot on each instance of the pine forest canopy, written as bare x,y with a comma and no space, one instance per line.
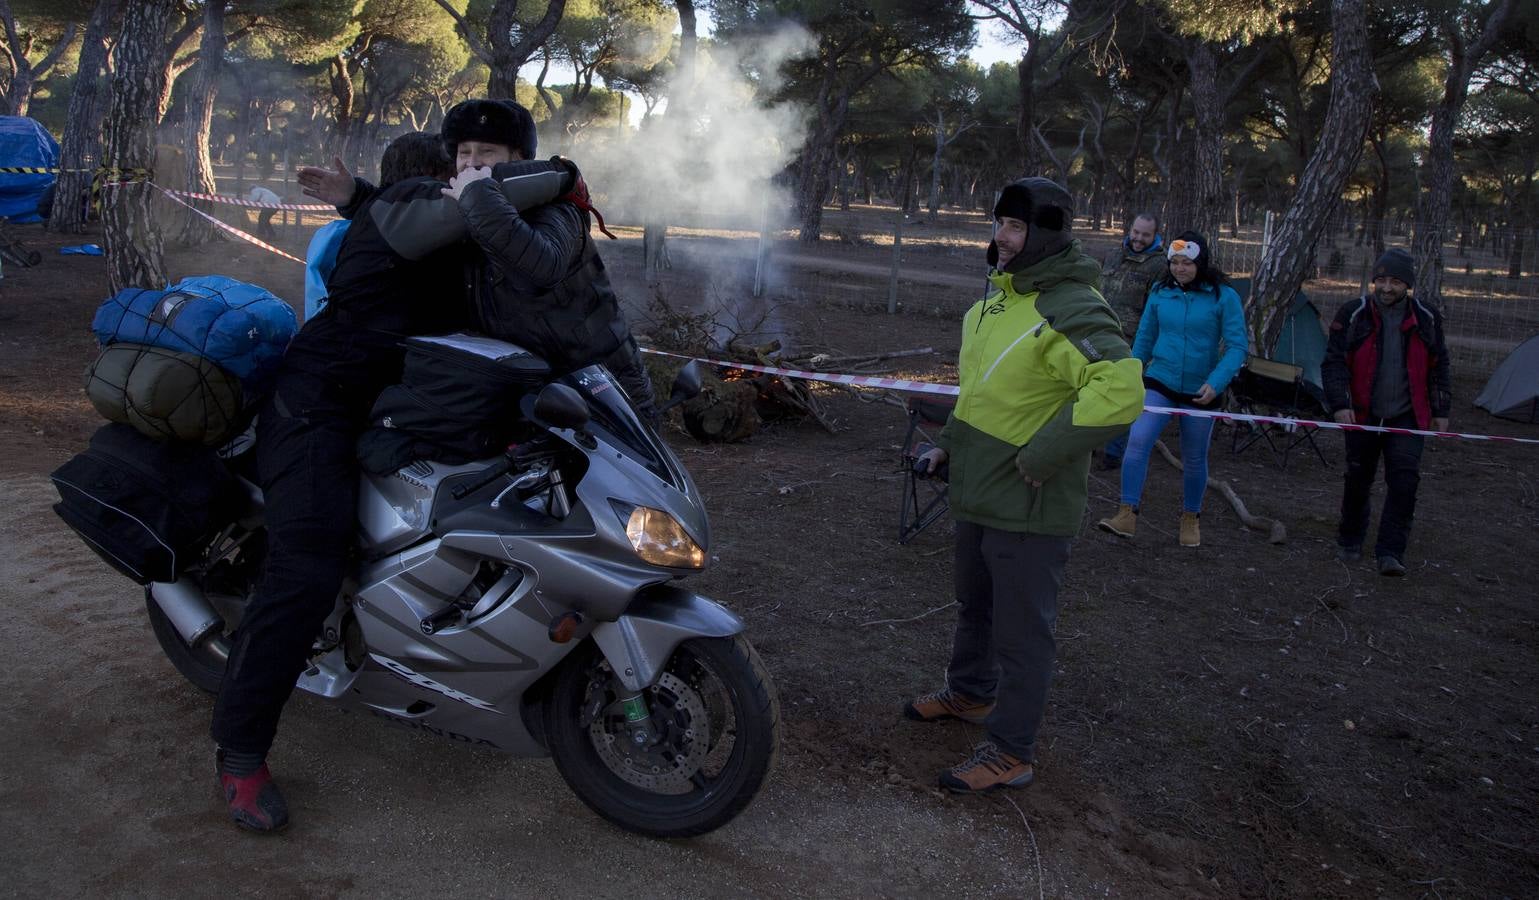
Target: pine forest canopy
1209,112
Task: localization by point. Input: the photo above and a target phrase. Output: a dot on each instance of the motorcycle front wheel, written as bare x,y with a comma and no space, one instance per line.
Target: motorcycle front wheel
714,731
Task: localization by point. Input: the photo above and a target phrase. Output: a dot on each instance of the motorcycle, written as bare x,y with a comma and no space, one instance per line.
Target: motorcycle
530,603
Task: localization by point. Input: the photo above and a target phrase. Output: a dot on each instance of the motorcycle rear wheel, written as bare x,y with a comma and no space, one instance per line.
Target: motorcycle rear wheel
200,667
721,762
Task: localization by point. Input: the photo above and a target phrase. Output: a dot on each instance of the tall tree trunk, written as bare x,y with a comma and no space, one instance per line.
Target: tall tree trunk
1432,224
135,254
817,155
654,237
199,116
82,126
508,57
1353,89
1202,205
174,66
1379,210
812,189
1026,74
342,89
24,75
935,163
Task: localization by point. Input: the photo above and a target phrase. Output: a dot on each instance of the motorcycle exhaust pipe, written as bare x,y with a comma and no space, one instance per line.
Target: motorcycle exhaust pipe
191,614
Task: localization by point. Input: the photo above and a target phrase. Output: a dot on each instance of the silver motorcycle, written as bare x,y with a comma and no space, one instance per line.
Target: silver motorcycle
530,604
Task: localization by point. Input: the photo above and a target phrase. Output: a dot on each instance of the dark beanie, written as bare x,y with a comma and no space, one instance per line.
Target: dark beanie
490,122
1396,263
1015,203
1048,211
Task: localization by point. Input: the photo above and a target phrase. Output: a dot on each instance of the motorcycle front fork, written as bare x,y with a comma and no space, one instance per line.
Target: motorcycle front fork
638,720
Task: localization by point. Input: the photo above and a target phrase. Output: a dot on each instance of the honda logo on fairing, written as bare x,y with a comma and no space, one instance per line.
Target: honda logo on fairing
423,681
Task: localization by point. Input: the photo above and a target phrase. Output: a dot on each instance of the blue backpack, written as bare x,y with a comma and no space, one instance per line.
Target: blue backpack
320,260
241,327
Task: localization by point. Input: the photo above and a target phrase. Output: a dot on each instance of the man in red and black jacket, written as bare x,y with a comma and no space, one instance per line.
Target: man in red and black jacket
1386,364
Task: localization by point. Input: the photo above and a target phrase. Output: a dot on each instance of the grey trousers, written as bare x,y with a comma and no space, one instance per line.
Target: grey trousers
1007,584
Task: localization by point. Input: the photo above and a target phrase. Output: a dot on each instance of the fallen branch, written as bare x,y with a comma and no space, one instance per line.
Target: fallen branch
823,359
789,391
1277,533
910,618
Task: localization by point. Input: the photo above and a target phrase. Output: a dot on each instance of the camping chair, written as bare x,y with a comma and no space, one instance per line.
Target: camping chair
1267,387
924,499
13,251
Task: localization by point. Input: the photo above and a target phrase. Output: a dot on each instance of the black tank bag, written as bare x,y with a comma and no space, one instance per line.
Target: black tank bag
457,402
145,506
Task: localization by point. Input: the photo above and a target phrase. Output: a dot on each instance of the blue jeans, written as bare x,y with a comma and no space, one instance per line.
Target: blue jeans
1116,446
1196,433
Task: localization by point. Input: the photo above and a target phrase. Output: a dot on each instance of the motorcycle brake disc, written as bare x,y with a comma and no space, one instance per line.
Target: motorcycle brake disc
667,768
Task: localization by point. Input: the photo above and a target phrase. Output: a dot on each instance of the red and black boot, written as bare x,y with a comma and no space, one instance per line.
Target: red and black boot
255,802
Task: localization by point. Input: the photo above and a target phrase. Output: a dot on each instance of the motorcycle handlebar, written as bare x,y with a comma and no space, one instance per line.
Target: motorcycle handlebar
487,475
527,453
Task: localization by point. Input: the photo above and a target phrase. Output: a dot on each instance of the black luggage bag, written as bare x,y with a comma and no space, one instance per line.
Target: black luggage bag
145,506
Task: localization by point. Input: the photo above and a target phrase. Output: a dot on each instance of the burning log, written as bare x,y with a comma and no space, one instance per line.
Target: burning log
725,411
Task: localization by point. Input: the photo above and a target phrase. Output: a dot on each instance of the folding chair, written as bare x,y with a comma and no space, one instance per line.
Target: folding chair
924,499
1267,387
13,251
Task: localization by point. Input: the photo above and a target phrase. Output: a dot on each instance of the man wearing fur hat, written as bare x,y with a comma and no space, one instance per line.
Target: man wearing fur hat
1046,377
538,280
1386,364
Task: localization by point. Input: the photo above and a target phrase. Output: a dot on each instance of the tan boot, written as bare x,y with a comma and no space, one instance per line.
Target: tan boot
1123,524
1191,534
948,704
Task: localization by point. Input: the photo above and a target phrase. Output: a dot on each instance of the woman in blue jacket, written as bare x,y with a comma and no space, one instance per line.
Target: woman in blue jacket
1192,340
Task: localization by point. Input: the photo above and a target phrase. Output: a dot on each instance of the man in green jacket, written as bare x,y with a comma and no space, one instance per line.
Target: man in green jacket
1046,377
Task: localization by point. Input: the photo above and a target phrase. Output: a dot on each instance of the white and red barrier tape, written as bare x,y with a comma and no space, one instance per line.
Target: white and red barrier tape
926,387
1338,426
873,381
235,201
230,229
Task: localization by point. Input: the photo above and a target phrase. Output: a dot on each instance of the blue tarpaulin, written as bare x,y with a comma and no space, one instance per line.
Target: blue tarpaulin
24,143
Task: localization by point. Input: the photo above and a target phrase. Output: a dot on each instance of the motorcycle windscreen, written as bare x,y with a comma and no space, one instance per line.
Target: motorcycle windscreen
617,422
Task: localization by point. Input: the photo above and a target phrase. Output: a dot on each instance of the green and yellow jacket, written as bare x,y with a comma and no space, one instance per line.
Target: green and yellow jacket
1046,377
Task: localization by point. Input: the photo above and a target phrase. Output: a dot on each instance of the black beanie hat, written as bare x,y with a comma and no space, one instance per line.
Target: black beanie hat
492,122
1396,263
1048,211
1039,202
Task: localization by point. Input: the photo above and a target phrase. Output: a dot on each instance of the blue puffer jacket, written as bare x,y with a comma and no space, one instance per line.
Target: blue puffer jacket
1179,334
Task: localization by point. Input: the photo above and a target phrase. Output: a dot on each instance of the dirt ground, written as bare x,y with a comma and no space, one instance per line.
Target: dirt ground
1245,719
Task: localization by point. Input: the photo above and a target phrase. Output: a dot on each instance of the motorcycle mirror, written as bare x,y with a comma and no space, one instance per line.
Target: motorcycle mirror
562,407
686,384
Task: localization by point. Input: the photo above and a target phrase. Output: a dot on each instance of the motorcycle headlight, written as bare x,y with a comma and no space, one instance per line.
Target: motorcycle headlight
658,538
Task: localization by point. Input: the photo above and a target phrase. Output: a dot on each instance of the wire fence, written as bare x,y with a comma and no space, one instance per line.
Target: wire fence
935,266
872,258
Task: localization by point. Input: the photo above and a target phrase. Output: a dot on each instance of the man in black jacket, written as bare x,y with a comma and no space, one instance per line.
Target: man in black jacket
538,280
1386,364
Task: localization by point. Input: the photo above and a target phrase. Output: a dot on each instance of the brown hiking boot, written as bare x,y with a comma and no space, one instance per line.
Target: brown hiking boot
947,704
988,769
1123,524
1191,534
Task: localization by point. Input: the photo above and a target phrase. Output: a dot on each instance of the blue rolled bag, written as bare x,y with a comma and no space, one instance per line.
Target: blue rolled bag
191,362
